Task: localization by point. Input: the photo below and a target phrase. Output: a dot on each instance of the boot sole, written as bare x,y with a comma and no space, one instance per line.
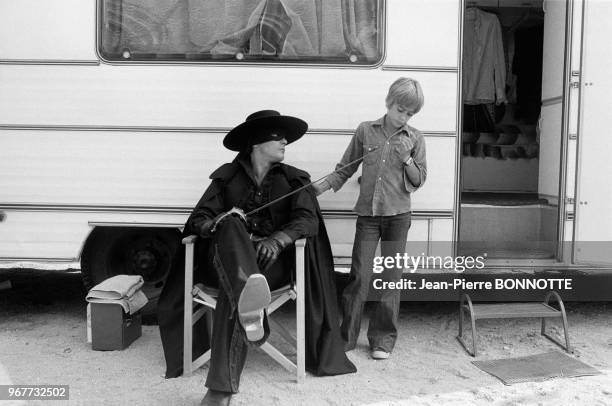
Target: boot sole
254,298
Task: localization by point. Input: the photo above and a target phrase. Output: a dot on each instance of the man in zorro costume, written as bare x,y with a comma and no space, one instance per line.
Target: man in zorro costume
247,256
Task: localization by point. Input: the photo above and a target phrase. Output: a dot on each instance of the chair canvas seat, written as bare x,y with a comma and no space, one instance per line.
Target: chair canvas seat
196,295
207,296
201,291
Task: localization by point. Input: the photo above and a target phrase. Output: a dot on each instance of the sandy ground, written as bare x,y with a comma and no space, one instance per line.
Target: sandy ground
43,341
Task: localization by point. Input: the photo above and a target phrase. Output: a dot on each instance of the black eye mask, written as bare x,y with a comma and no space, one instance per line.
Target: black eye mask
268,135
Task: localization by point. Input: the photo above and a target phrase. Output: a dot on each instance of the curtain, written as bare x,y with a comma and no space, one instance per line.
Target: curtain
222,28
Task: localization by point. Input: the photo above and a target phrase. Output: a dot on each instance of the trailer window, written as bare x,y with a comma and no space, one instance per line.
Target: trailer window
283,31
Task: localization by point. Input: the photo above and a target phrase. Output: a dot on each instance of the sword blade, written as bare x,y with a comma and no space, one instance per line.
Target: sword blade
308,185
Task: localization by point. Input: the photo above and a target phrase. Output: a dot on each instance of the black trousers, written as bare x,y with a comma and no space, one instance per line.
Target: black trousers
234,259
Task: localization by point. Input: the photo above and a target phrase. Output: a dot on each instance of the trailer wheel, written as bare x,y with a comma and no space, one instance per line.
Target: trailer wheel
147,252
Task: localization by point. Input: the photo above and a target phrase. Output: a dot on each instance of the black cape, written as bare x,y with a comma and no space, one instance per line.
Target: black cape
324,345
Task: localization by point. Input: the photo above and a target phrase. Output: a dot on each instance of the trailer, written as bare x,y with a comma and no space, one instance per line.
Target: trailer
112,114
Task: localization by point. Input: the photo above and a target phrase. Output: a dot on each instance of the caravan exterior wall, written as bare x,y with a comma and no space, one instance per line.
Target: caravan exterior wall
86,143
99,152
102,160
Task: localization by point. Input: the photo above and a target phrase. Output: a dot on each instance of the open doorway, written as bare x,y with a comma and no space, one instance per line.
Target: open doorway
512,129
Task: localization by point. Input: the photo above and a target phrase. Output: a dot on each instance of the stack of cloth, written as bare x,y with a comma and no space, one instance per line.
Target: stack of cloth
123,290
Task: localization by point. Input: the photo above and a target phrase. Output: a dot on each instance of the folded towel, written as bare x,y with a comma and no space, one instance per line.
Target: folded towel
130,304
117,287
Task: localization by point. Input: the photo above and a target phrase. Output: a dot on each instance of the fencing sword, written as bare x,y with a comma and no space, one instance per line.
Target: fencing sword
243,216
311,183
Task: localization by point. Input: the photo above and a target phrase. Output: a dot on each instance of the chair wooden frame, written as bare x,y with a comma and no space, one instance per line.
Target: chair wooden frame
207,298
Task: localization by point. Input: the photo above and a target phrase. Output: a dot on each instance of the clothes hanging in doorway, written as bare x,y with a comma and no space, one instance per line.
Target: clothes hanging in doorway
484,68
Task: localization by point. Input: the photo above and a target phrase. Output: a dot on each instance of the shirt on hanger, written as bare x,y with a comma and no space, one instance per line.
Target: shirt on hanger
484,68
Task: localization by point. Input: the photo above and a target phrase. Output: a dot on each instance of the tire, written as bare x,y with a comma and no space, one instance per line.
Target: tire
148,252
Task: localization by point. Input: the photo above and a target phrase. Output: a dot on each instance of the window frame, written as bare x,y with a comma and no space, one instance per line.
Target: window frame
281,63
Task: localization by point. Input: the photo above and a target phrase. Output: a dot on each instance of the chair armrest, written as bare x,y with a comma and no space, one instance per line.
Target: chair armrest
300,307
300,257
190,239
298,280
301,243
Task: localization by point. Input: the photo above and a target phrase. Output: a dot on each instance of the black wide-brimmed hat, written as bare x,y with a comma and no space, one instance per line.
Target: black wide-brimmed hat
259,128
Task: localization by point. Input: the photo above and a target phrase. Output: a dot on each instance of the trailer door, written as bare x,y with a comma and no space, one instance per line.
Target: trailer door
593,228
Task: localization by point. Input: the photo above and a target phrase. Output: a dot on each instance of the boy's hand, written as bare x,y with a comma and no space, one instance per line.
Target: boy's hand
321,187
404,156
407,150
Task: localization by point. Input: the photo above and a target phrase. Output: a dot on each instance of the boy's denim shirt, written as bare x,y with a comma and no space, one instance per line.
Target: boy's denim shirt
385,187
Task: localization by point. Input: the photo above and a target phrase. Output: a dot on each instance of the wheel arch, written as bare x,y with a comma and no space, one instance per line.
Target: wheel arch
118,249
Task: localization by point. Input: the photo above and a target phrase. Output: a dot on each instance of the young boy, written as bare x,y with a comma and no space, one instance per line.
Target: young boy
394,166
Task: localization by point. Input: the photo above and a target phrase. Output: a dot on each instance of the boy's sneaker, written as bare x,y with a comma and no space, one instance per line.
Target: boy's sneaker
380,354
254,299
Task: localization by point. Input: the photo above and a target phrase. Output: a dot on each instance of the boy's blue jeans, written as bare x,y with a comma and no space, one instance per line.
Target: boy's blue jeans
382,331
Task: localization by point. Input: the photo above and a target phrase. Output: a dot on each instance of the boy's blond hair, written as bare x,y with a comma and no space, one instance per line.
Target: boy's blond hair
406,92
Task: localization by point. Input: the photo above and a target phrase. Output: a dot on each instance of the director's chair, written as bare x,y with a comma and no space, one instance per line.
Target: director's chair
203,300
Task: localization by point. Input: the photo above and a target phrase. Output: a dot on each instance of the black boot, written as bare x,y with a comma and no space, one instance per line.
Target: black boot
216,398
254,298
